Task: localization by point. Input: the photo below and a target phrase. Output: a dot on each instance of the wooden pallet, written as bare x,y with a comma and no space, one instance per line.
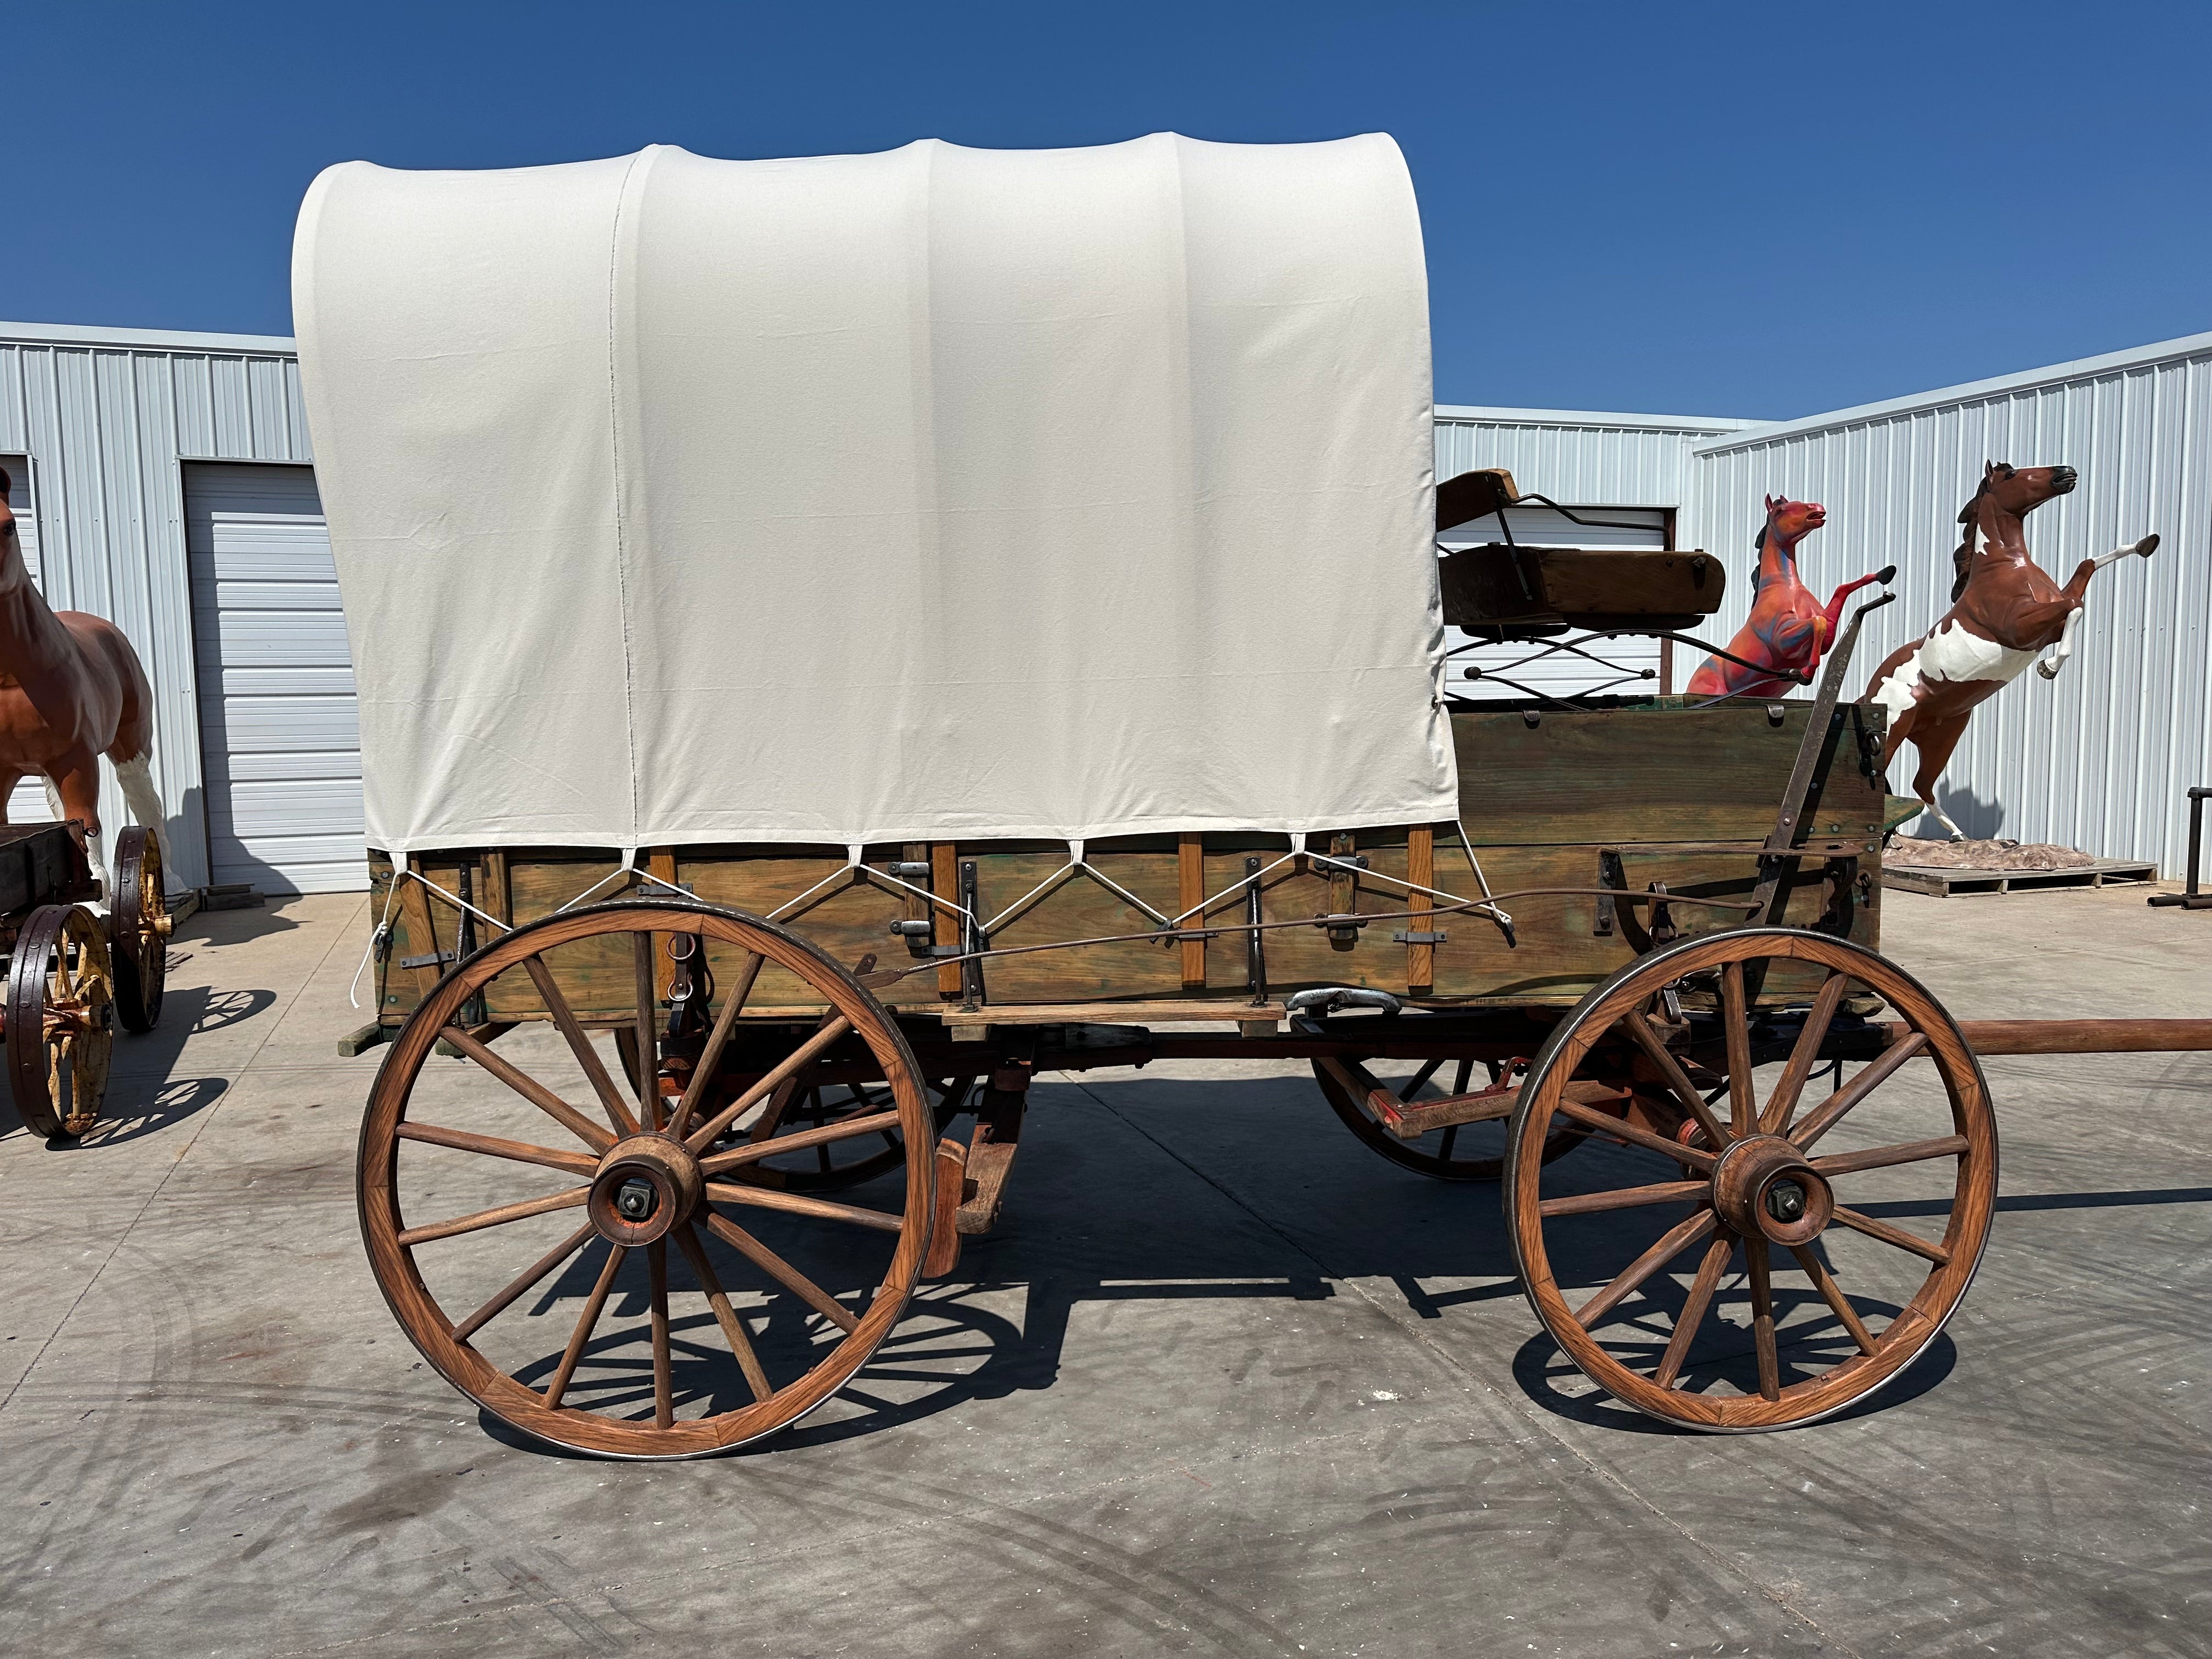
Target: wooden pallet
1943,882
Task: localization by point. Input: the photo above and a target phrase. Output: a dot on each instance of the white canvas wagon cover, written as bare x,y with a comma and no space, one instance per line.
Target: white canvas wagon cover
939,493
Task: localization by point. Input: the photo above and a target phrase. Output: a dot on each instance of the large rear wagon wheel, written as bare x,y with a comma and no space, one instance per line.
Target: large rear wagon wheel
61,1019
649,1298
1781,1250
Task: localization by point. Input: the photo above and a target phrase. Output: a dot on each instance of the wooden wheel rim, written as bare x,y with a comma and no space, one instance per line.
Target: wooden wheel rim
517,1403
141,929
61,1030
1920,1321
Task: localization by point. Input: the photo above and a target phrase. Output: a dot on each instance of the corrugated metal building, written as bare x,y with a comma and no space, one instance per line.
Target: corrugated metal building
164,479
2100,758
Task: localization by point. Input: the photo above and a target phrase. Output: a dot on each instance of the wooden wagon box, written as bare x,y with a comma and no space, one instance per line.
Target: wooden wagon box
1554,588
1646,791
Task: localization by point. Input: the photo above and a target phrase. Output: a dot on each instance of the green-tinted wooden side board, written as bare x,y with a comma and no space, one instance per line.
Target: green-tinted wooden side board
1540,802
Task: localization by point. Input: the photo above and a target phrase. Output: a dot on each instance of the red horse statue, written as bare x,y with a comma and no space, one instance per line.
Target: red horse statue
2004,610
1788,628
71,689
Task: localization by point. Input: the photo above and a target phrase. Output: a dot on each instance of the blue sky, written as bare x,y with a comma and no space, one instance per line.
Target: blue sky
1725,210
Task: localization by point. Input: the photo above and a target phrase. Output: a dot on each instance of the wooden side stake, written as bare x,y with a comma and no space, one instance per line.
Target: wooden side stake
1421,871
1190,892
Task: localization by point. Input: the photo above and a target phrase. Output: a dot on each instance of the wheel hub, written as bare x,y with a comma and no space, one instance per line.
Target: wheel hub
646,1185
1763,1184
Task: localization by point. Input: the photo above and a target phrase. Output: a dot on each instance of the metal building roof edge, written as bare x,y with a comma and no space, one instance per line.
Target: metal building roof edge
2081,368
1690,424
153,339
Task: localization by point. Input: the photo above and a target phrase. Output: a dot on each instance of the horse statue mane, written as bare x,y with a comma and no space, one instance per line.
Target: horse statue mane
71,689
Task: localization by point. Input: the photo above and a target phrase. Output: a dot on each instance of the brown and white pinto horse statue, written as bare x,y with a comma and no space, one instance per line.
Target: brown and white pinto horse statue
2004,610
71,689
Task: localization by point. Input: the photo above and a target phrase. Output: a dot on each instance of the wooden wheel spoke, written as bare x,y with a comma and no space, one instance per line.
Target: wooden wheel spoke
1833,1294
821,1209
1762,1315
1735,1028
579,1044
704,1137
498,1217
664,1389
528,1277
1881,1157
1678,1081
1672,1243
1782,1104
586,1322
1694,1309
1875,1073
1625,1197
781,1271
519,1151
648,1031
717,1040
1607,1124
733,1330
843,1128
531,1090
1847,1217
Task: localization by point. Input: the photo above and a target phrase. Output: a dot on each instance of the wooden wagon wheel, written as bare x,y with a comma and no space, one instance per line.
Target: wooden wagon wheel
1458,1152
139,930
447,1201
1732,1353
61,1019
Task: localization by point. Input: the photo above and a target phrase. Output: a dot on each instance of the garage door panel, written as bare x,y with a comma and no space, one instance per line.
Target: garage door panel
233,685
271,595
295,806
272,724
298,864
299,766
278,724
254,639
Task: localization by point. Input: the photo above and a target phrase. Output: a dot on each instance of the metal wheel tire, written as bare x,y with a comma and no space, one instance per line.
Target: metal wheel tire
1877,1291
139,929
61,1019
462,1147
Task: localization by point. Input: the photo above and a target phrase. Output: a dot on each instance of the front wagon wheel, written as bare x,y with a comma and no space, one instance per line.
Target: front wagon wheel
1757,1248
601,1266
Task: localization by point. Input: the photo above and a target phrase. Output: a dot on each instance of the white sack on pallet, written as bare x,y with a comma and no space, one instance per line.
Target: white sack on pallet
939,494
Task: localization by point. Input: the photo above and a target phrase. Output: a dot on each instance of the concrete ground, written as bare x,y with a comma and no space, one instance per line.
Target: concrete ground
1223,1382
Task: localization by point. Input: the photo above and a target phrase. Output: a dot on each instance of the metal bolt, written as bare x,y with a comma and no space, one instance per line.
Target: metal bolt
1785,1201
635,1200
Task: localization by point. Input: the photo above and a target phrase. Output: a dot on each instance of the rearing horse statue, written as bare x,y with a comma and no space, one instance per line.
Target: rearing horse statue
71,689
1788,628
2004,610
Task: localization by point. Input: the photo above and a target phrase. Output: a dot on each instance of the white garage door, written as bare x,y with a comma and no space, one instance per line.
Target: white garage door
279,741
1560,673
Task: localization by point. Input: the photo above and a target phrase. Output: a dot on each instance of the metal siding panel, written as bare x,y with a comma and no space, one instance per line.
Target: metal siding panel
233,407
15,421
191,386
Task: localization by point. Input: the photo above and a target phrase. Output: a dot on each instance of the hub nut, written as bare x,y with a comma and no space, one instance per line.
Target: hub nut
1785,1201
636,1200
